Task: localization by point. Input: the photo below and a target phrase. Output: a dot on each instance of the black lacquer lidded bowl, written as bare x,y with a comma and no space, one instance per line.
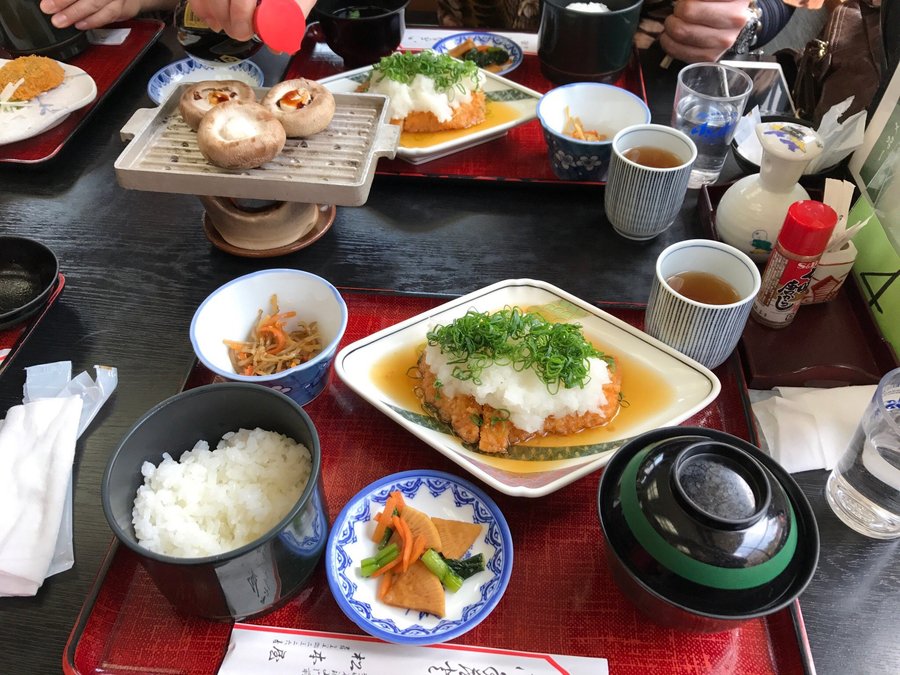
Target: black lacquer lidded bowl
704,530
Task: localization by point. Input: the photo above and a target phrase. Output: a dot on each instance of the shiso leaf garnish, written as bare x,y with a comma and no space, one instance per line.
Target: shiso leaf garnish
446,71
557,352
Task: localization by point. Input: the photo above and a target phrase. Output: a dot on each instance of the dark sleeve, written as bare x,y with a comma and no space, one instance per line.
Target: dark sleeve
775,15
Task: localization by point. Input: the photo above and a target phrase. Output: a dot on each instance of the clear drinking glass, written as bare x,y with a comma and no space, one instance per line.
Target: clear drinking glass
709,101
864,488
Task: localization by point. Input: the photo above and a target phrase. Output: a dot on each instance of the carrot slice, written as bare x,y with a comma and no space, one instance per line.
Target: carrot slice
418,548
380,527
406,537
385,585
278,335
394,501
385,568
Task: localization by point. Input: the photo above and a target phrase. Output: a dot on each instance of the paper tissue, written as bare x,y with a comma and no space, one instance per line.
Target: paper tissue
37,443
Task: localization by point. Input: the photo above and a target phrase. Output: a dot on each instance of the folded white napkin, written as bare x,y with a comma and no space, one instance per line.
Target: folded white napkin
37,448
806,428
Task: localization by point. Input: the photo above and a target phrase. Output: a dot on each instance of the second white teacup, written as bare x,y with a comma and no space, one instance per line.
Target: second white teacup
700,299
644,191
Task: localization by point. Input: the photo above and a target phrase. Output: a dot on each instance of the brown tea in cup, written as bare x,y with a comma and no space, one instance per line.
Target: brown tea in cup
703,287
655,158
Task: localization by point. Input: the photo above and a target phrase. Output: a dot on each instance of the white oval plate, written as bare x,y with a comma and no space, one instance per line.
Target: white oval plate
542,465
440,495
167,79
522,100
19,121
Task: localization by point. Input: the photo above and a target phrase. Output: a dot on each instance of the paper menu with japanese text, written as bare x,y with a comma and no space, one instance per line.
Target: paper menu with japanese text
264,649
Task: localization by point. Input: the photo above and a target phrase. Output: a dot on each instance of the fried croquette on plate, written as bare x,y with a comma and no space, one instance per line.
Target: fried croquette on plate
39,73
465,115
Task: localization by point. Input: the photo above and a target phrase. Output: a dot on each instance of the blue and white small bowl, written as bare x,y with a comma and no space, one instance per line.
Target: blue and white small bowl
167,79
512,48
439,495
600,107
230,312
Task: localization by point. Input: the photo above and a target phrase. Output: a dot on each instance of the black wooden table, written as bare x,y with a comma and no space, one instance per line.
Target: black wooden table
138,265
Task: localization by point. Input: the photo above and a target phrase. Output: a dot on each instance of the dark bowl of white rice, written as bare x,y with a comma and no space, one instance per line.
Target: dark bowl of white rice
218,491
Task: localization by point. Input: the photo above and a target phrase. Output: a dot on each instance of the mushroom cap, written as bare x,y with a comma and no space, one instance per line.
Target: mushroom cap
200,98
303,106
239,135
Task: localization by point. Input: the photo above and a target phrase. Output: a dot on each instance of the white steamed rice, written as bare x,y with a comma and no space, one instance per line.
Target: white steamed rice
522,393
213,501
590,7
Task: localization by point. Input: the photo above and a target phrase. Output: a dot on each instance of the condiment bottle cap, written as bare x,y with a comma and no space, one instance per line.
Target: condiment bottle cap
807,227
280,24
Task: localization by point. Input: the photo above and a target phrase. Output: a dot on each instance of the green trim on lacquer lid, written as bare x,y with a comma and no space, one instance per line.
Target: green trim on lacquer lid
704,574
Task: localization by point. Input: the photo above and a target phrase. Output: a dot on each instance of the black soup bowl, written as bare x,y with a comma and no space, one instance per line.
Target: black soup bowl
28,275
259,576
361,31
704,530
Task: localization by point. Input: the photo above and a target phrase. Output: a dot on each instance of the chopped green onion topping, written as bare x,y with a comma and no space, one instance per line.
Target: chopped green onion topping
446,71
557,352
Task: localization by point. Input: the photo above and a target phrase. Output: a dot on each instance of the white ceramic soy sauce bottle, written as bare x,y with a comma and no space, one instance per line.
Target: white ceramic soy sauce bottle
752,211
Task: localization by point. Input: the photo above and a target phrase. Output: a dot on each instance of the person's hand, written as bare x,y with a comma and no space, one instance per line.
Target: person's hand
235,17
87,14
702,30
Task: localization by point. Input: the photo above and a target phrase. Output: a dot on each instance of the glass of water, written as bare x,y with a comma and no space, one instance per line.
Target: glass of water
709,101
864,488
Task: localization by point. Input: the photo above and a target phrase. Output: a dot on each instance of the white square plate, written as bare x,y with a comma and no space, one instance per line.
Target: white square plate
520,106
660,387
19,121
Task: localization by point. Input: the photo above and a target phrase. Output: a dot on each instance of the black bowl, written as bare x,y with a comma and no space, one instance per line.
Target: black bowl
726,534
28,274
586,46
259,576
361,31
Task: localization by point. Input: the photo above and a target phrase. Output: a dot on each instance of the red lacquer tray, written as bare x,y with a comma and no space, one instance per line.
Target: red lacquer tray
520,155
561,598
107,64
12,338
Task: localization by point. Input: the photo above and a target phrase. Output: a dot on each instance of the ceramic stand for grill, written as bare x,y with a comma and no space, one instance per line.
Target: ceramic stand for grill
264,231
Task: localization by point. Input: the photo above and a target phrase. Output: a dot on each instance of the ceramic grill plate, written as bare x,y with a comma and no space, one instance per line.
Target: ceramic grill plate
335,166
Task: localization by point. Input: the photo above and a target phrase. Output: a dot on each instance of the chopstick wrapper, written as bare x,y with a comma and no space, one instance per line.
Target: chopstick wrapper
37,444
806,428
37,441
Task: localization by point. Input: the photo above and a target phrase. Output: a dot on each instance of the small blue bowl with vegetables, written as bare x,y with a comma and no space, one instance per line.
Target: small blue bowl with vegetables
419,557
495,53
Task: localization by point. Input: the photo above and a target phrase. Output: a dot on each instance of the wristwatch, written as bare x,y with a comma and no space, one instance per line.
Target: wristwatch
746,39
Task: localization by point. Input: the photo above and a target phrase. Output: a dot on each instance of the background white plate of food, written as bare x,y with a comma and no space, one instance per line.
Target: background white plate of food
509,104
167,79
20,120
462,44
661,386
438,495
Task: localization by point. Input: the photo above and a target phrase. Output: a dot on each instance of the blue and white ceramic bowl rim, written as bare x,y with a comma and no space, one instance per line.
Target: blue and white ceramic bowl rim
409,483
480,37
165,75
328,351
618,90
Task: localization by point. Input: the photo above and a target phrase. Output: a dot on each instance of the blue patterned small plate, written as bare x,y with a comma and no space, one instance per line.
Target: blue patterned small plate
439,495
166,79
451,42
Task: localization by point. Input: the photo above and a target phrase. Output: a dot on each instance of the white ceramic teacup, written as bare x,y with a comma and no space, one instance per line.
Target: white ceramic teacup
707,333
641,201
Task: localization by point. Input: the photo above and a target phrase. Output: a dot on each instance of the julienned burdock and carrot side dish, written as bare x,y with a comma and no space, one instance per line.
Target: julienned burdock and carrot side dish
418,559
501,378
271,347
